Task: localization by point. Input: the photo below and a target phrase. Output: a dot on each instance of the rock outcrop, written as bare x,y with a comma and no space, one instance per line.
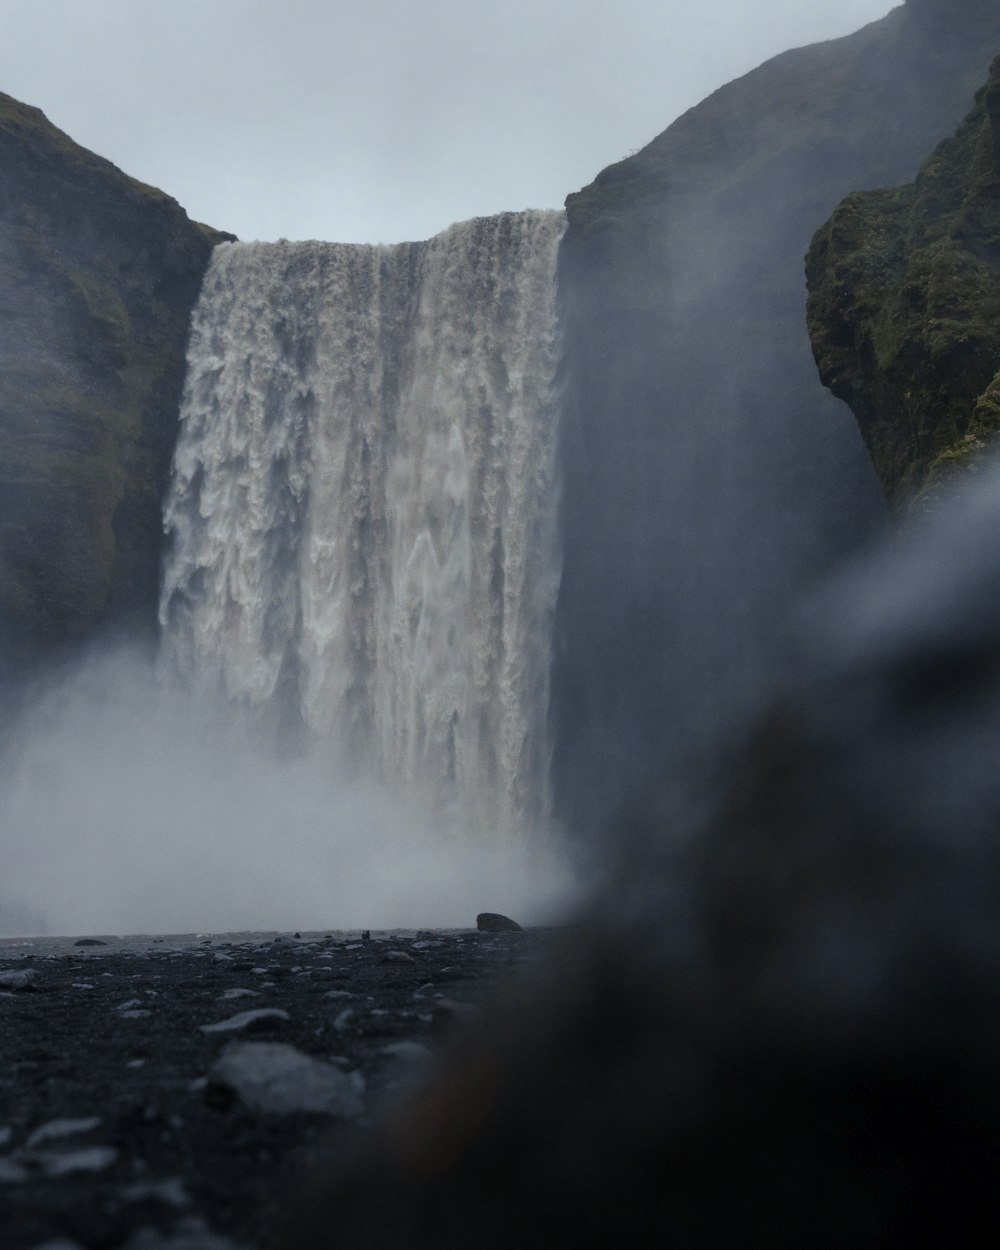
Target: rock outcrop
98,274
707,474
904,312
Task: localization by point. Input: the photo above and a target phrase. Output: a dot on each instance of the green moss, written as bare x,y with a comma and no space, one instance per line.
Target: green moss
904,312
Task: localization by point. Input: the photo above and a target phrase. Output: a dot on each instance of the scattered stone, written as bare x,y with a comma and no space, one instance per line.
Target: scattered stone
238,992
333,994
6,1133
407,1052
89,942
343,1019
82,985
190,1234
52,1164
248,1021
494,922
56,1130
171,1193
19,979
129,1005
445,1015
220,957
137,1013
398,957
276,1079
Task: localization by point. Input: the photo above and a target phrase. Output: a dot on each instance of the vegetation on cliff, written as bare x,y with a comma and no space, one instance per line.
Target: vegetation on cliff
99,274
904,311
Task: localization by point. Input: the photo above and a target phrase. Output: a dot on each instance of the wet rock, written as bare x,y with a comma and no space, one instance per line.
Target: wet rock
248,1021
494,922
19,979
25,1165
398,957
190,1234
406,1052
171,1193
56,1130
276,1079
343,1019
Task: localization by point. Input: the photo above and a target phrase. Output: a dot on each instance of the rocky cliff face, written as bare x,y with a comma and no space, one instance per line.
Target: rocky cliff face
707,475
98,275
904,312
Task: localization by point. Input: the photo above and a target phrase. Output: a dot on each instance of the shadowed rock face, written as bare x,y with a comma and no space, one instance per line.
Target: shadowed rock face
708,476
904,312
781,1026
99,274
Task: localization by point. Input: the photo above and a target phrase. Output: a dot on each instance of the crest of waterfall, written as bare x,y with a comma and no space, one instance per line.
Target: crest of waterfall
362,513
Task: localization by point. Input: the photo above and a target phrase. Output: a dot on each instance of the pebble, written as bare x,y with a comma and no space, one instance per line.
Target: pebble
246,1021
408,1052
276,1079
19,979
238,992
26,1165
171,1193
190,1234
56,1130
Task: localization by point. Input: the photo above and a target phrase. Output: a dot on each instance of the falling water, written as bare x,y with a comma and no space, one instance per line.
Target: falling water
363,506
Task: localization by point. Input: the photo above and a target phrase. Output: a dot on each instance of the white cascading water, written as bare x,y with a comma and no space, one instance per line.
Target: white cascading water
363,505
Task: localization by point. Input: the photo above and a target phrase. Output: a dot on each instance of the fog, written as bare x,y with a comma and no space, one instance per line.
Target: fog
128,807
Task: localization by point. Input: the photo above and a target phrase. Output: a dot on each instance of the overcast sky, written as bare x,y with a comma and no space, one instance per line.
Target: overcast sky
383,120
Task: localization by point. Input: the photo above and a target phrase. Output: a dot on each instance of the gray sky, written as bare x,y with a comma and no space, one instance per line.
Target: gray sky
383,120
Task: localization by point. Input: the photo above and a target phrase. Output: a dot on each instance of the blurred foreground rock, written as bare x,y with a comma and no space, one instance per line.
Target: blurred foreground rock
780,1026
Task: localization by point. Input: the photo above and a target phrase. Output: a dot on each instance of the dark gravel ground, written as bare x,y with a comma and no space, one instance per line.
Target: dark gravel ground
162,1157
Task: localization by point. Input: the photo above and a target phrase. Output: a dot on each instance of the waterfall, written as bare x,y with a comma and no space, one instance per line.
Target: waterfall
362,512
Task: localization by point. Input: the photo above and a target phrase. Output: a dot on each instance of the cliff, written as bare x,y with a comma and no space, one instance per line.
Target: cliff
904,312
98,274
708,476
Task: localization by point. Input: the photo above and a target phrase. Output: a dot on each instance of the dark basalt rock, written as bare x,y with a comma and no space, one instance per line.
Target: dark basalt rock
493,922
707,474
99,275
904,312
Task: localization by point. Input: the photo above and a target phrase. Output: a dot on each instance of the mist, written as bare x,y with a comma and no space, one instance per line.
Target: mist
129,806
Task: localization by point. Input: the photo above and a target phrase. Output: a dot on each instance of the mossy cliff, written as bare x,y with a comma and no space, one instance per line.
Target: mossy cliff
904,311
708,476
98,274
